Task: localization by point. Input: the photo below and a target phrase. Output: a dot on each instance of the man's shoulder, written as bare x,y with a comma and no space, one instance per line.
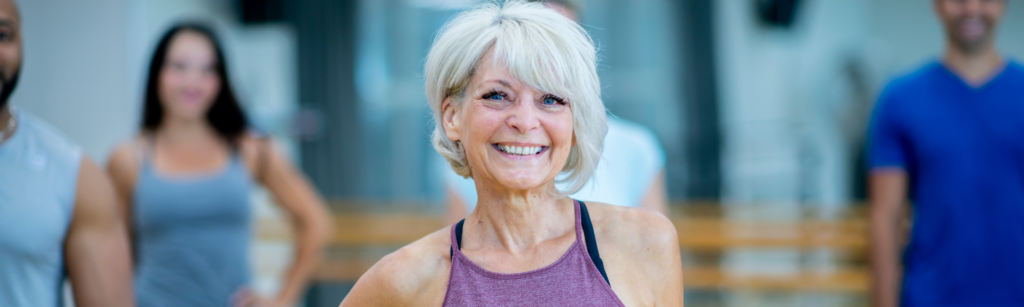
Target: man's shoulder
48,146
913,81
1016,69
45,135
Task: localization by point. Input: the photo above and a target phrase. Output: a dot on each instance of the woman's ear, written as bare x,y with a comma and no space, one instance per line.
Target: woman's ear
449,120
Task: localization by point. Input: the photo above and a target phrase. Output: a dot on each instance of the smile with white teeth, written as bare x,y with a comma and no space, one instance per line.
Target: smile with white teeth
519,150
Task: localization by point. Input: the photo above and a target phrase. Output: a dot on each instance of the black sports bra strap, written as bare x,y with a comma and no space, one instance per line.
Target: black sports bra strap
588,233
458,238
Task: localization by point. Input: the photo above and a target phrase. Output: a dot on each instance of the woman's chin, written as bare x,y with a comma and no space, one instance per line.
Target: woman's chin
188,115
522,184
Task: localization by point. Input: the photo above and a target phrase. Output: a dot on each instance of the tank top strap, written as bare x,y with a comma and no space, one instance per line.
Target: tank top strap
578,221
584,237
146,150
572,280
456,238
587,228
236,158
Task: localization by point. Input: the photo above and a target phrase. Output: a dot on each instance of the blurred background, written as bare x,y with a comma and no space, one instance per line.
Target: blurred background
760,105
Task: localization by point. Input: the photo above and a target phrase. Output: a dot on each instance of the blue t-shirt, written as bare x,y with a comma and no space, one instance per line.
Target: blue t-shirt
963,149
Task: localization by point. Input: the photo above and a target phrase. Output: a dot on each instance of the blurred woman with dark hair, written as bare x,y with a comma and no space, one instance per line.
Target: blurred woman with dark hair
186,181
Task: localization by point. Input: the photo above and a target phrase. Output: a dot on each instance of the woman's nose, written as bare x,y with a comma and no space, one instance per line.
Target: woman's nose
524,115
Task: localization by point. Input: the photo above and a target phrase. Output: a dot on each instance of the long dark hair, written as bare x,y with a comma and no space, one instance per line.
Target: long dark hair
225,115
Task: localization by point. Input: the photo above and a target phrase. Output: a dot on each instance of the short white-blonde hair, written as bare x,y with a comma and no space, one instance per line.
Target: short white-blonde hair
542,49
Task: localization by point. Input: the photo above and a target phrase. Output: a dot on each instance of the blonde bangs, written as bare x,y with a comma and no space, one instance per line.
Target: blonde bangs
540,48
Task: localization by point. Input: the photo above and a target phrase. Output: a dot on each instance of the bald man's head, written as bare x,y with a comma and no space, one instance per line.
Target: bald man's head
10,49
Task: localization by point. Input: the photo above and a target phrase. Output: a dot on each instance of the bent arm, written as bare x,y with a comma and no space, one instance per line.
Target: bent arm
888,193
310,218
96,248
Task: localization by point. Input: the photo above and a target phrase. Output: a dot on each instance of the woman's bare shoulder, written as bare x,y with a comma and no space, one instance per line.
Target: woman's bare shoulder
633,220
640,249
126,156
637,231
416,274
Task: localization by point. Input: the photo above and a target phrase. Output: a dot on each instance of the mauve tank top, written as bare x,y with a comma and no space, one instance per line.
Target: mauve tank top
573,280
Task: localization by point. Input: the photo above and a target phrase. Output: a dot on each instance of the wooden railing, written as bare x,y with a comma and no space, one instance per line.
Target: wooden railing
707,231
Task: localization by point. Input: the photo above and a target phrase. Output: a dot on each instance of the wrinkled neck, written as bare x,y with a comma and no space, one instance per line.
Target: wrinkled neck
517,220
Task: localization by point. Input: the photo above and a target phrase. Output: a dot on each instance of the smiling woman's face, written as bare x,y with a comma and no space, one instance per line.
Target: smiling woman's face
189,82
513,134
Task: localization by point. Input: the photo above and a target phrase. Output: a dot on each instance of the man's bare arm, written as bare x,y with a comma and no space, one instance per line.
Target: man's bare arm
96,248
887,198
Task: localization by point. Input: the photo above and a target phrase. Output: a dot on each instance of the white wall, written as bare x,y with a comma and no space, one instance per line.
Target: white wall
85,61
74,73
775,102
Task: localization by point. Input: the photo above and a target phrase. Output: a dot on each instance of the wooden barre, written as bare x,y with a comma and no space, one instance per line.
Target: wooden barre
697,234
701,233
844,280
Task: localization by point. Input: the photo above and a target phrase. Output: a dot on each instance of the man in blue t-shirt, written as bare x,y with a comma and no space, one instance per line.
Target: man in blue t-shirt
951,137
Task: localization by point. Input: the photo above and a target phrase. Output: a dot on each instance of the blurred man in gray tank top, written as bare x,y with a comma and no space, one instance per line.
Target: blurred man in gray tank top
59,216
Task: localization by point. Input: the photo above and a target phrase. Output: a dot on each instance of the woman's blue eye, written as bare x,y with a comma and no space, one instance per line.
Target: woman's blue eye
494,97
550,101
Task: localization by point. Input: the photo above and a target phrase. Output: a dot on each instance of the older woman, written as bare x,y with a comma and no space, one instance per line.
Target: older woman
517,101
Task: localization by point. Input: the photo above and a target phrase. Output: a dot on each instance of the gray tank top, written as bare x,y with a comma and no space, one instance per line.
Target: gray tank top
191,236
38,178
